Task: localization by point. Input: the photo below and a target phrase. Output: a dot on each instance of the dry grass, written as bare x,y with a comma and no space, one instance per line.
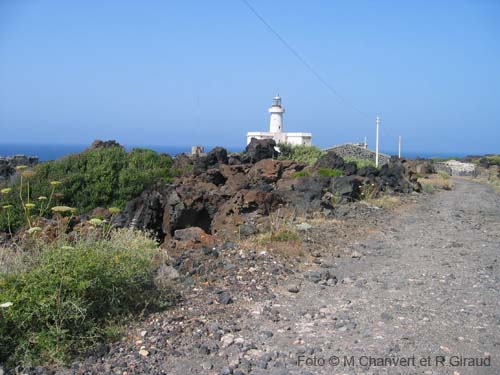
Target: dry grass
493,179
385,201
489,177
281,236
286,244
435,182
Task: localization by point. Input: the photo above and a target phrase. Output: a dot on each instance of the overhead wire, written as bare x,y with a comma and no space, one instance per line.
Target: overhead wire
303,61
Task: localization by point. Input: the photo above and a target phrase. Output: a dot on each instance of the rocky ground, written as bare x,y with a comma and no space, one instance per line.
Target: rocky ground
8,165
417,284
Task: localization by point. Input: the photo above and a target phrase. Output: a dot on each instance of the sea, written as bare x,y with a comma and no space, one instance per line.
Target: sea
46,152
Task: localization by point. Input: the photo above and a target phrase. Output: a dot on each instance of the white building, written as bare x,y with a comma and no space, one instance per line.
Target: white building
276,128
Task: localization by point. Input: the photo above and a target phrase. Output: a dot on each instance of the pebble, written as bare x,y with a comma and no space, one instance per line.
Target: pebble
227,340
293,289
267,333
356,254
224,298
143,352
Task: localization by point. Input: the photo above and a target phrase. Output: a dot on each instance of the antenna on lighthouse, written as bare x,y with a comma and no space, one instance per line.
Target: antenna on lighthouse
377,121
399,147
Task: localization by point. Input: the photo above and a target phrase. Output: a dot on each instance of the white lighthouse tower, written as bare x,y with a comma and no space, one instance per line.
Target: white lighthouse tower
276,111
276,128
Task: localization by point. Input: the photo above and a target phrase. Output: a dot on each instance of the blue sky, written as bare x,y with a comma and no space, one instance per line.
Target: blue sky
204,72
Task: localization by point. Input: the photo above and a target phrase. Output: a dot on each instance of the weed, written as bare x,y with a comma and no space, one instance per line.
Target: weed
301,174
329,172
360,163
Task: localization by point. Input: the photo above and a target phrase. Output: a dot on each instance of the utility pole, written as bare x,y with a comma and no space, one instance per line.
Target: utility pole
376,141
399,147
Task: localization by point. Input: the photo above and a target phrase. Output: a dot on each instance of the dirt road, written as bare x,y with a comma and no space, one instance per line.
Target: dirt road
427,285
419,294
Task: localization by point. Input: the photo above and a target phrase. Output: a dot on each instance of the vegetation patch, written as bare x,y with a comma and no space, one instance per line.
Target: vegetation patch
435,182
60,299
301,174
300,154
329,172
100,177
360,163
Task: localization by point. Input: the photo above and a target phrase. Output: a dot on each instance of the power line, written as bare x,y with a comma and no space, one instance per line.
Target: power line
302,60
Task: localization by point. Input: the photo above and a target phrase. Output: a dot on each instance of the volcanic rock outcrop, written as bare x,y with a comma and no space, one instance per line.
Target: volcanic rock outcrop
231,196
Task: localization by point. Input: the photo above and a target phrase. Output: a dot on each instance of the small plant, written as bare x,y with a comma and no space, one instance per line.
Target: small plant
443,175
330,172
301,174
428,188
369,191
285,235
360,163
24,202
7,207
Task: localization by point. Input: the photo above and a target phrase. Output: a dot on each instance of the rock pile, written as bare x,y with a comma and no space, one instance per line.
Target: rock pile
231,196
355,151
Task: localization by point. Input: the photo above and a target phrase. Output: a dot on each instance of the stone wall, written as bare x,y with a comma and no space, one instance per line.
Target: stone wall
8,165
456,168
354,151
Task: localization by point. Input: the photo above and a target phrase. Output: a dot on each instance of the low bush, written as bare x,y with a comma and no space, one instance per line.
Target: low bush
301,174
301,154
100,177
443,175
329,172
360,163
285,235
66,297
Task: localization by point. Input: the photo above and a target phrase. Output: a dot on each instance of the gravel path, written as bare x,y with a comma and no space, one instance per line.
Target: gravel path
427,285
418,291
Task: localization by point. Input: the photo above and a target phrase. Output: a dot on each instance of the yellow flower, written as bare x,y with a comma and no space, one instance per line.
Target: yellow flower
66,247
42,198
29,206
6,191
114,210
95,221
55,183
21,167
7,206
62,209
34,230
28,174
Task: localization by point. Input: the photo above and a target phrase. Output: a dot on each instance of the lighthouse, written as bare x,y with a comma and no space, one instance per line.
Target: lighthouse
276,111
276,128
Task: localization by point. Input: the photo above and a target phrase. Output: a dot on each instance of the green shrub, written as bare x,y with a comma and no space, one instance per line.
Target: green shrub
329,172
444,175
493,159
360,163
65,301
285,235
301,174
95,178
301,154
428,188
